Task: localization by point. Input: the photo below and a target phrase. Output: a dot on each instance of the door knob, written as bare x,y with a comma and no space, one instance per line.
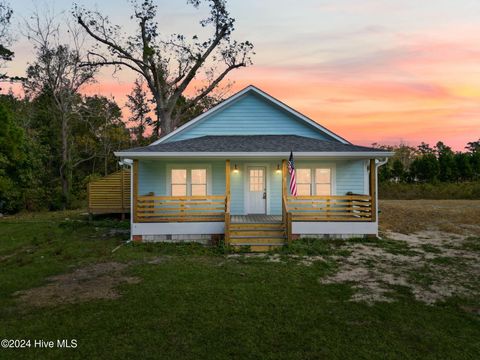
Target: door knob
264,194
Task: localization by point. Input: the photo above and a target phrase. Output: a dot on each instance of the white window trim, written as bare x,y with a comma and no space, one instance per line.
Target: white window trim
333,175
188,167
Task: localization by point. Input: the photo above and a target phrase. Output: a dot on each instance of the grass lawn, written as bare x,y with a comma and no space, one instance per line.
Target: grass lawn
191,302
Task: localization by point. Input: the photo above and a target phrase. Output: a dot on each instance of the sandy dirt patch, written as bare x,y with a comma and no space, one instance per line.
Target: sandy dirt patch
96,281
432,265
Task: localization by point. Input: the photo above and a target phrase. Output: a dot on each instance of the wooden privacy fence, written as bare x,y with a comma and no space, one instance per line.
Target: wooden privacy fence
180,208
110,194
329,208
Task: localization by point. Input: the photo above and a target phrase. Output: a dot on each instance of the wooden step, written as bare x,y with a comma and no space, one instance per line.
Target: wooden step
257,240
258,248
257,237
254,232
264,226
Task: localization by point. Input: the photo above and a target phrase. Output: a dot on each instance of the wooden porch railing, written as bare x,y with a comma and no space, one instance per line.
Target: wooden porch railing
328,208
180,208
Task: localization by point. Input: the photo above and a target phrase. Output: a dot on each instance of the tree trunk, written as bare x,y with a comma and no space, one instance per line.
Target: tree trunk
64,169
164,123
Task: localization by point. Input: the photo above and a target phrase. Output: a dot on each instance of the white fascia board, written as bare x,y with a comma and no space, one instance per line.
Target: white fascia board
339,154
263,94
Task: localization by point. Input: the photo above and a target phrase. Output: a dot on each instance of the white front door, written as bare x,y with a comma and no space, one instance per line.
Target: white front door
257,191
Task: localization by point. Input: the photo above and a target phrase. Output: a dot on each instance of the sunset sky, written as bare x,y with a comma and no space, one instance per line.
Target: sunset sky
385,71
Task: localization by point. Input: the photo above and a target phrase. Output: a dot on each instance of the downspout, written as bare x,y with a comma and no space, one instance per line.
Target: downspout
377,165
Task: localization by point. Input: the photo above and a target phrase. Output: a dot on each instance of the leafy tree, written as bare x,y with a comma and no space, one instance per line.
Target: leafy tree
139,108
398,170
425,168
446,162
11,143
384,173
424,148
168,65
463,166
474,151
473,146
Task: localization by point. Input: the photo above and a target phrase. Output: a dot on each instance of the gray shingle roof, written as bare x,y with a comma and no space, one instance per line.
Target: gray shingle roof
252,143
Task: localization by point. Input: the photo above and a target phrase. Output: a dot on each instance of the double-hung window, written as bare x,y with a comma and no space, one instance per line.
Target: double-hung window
188,182
314,181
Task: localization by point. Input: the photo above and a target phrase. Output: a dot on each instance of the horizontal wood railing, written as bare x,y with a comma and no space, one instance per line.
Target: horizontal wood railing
180,208
329,208
110,194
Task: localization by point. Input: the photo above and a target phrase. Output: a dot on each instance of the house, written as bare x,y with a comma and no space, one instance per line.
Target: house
225,173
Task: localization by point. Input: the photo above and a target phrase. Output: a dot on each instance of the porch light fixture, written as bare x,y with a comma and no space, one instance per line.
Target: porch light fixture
278,169
235,169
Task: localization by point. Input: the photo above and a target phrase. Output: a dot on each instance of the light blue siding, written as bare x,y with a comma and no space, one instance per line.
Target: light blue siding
251,115
218,177
349,176
152,177
275,189
237,186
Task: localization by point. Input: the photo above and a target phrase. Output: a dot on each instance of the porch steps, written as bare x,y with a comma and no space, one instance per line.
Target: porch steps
258,236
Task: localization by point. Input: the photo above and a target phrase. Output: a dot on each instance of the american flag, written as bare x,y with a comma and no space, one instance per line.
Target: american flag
291,171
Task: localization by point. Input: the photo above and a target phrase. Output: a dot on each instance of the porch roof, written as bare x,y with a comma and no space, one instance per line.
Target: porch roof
266,145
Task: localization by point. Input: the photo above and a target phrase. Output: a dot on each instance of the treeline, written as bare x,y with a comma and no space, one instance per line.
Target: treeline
426,172
426,164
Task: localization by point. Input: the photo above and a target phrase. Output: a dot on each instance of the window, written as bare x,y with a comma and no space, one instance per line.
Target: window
179,182
304,182
323,184
315,181
186,182
199,182
256,180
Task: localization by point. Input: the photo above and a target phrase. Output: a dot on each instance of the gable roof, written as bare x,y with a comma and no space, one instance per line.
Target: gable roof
257,145
264,95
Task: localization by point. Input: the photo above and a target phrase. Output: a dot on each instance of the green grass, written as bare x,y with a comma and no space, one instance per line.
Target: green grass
197,303
472,244
430,248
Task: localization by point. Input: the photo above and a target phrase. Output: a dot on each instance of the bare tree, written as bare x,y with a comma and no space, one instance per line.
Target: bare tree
169,65
57,73
5,37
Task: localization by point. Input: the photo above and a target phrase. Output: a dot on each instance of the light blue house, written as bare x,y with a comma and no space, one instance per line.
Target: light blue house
225,173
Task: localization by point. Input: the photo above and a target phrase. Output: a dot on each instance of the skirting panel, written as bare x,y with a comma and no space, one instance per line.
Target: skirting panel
186,228
335,228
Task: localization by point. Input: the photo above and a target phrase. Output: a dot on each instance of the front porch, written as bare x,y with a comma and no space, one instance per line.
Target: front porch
212,215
